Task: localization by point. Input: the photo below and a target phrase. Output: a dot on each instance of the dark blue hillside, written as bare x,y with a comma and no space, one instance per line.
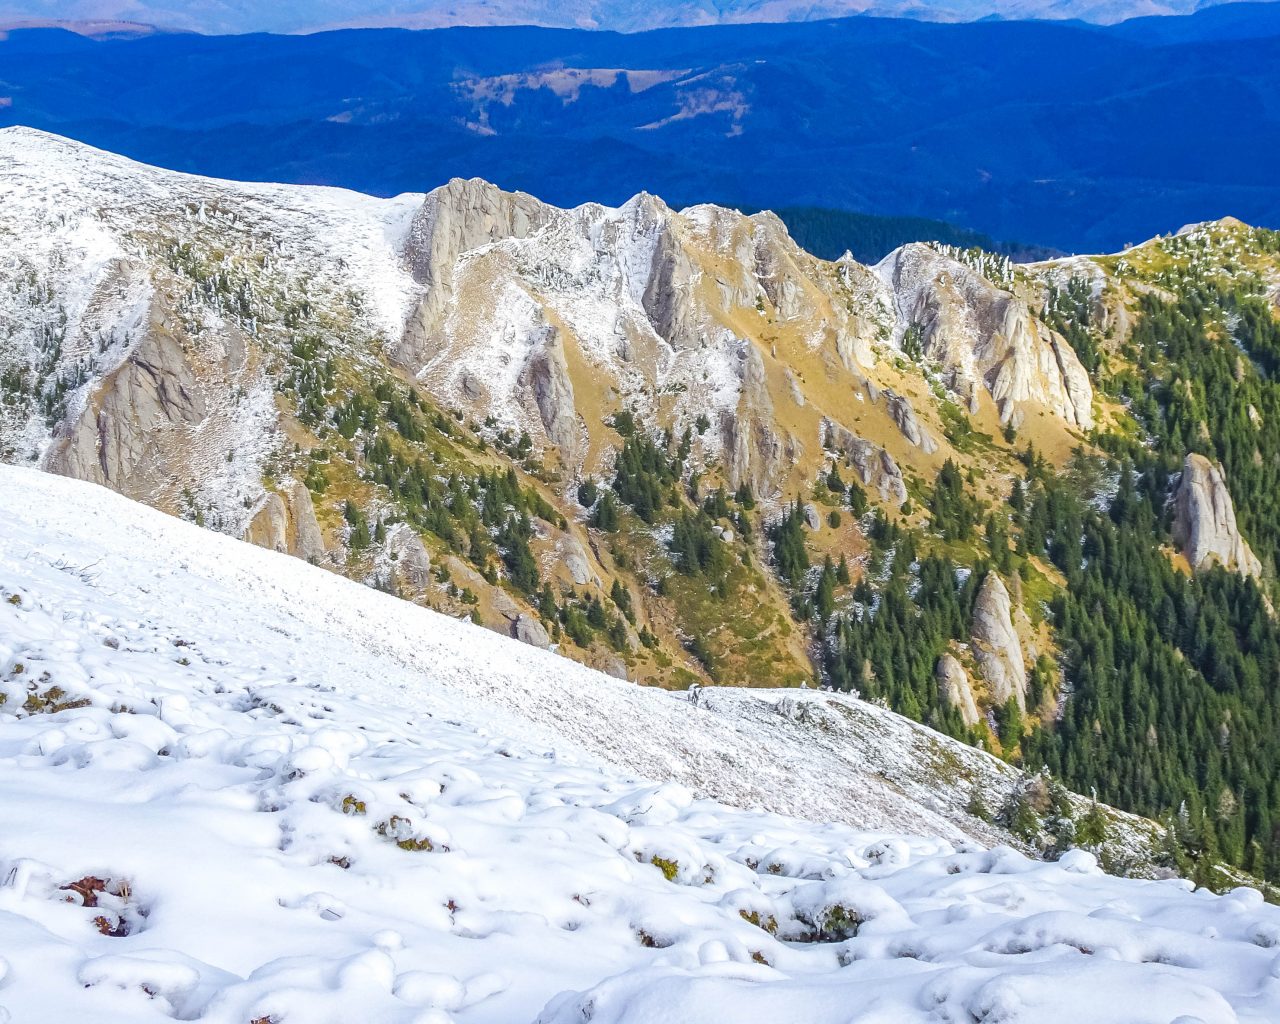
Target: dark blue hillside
1059,134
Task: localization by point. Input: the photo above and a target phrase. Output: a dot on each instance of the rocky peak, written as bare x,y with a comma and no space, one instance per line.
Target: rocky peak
982,333
1205,520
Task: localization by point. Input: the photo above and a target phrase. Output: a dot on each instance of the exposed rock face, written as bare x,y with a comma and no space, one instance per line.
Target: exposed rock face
130,435
305,538
811,517
547,375
286,522
982,333
413,563
529,630
874,465
761,452
1205,520
904,416
996,646
954,688
573,556
270,525
455,219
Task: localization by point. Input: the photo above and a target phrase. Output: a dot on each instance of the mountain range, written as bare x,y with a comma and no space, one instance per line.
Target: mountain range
1065,136
308,778
1024,504
234,16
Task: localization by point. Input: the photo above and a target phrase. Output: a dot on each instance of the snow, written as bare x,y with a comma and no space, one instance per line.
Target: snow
264,793
86,239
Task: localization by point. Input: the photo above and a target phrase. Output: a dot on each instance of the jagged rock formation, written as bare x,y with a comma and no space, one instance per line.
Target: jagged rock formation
955,689
544,320
286,522
194,344
983,333
905,418
996,647
876,467
1205,520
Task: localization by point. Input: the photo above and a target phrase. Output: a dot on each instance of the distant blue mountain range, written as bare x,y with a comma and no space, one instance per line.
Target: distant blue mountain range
1061,134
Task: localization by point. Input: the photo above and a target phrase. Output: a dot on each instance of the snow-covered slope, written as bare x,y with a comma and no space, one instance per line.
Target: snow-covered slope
236,788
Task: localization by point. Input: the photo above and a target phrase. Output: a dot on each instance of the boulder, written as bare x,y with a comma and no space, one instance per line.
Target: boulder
811,517
529,630
1204,526
573,556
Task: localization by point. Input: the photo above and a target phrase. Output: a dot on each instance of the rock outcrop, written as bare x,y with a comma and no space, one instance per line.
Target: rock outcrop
412,560
983,333
269,527
955,689
875,466
454,219
529,630
1204,526
286,522
131,435
547,376
305,537
904,417
570,553
996,646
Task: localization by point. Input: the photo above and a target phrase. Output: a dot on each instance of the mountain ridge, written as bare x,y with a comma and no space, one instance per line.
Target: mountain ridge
594,14
676,447
1086,159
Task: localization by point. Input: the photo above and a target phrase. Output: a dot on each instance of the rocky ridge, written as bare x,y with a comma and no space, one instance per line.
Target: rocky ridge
244,355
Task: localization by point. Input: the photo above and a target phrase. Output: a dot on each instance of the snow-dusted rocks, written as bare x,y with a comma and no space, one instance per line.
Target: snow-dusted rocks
982,333
529,630
412,561
170,308
996,647
286,522
1204,525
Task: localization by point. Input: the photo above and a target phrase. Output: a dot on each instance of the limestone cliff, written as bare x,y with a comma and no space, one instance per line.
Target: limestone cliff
982,333
996,647
954,688
1204,524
